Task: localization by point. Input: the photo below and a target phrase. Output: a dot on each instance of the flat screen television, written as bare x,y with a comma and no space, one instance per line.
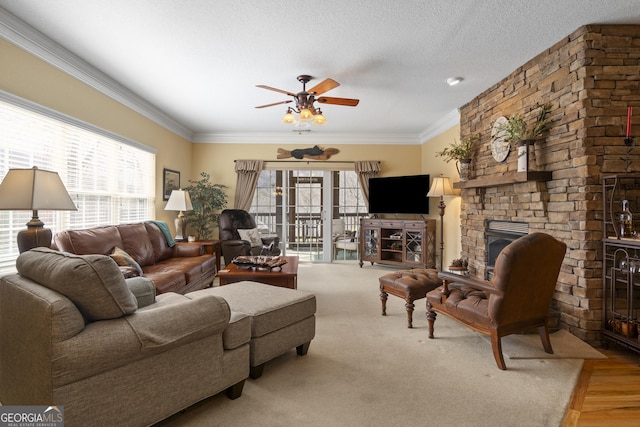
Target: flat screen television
399,195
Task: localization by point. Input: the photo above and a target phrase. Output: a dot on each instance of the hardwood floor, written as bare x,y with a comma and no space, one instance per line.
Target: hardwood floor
608,391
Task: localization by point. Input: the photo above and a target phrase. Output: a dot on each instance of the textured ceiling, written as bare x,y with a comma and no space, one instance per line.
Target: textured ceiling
199,61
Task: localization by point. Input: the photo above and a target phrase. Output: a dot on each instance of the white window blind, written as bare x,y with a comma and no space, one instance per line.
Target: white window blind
110,180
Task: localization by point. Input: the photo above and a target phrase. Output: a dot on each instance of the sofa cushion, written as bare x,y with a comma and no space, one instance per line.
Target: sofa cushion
123,259
161,247
93,283
97,240
135,241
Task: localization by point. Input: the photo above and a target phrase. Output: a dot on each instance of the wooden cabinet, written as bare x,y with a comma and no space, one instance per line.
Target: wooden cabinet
621,264
409,243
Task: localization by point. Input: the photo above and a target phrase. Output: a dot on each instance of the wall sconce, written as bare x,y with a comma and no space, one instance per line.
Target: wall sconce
33,190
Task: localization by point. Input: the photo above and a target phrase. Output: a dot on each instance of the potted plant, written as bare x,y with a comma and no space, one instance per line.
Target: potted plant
208,200
517,132
462,153
459,264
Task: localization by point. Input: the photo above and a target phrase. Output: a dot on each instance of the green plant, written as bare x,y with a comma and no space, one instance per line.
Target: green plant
517,129
462,150
207,200
459,263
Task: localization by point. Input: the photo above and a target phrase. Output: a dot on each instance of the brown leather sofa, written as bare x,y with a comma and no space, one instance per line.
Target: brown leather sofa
185,267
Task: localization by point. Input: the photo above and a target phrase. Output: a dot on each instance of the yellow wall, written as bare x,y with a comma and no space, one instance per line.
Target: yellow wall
28,77
217,159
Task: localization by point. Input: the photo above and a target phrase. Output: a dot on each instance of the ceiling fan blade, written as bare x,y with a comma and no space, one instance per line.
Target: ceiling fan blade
275,103
350,102
324,86
276,90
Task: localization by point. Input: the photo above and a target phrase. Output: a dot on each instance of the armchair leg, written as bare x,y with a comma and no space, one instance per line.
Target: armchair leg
431,318
496,346
544,337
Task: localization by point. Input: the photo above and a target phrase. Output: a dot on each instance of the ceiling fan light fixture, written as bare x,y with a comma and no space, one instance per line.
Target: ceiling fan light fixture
319,119
306,114
288,118
452,81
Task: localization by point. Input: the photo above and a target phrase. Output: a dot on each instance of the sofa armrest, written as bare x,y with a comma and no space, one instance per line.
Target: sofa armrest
234,248
472,282
188,249
173,320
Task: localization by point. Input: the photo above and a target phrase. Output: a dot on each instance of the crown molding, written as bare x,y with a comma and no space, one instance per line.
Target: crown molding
445,123
308,138
29,39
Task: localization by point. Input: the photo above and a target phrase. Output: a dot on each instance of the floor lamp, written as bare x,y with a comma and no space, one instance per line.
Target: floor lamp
440,187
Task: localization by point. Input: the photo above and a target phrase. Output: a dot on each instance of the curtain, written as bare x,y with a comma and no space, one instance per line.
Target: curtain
366,169
248,172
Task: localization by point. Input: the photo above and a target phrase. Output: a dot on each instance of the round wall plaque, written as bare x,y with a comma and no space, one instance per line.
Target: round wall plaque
499,147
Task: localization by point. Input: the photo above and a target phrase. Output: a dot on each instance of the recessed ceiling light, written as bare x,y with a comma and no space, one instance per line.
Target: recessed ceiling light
452,81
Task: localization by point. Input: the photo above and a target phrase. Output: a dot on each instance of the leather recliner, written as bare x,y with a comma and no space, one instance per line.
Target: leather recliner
232,220
517,298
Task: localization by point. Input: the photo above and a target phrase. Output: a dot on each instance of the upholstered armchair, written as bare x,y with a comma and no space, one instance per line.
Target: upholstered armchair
239,236
517,298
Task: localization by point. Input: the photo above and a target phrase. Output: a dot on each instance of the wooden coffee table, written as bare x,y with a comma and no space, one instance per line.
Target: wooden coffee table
287,277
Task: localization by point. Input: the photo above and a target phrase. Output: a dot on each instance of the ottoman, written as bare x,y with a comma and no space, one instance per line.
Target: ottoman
410,285
281,319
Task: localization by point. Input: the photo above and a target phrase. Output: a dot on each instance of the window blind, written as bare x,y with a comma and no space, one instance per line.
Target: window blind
110,181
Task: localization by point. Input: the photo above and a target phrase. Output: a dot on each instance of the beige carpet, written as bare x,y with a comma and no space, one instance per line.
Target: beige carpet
364,369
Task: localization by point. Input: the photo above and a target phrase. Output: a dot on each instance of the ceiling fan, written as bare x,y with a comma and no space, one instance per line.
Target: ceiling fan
304,101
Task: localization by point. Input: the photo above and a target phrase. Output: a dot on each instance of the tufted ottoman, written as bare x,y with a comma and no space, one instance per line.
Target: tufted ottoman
281,319
410,285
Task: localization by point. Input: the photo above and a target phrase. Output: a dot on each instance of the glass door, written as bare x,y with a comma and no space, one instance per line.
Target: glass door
316,213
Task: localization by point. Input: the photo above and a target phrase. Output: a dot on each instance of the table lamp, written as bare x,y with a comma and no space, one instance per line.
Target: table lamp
440,187
34,189
179,201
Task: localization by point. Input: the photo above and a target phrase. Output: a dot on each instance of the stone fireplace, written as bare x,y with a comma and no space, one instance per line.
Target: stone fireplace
589,77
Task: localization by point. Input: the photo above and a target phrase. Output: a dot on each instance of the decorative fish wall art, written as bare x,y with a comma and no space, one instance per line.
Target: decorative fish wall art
314,153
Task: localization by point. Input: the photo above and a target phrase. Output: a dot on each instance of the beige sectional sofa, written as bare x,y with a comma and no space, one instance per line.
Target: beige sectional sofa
73,335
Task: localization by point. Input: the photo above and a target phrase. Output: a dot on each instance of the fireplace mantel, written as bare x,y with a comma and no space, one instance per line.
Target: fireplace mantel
512,178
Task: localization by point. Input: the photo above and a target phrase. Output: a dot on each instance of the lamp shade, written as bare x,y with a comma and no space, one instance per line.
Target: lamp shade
441,186
179,201
34,189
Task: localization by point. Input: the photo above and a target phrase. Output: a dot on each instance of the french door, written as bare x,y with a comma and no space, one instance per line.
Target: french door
300,206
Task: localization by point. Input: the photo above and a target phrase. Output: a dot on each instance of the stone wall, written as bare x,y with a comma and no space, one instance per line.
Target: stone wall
590,78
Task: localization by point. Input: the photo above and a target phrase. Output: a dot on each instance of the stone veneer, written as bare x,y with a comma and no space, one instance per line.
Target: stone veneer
590,77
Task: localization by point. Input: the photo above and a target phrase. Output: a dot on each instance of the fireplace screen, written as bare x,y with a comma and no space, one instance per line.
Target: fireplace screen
498,234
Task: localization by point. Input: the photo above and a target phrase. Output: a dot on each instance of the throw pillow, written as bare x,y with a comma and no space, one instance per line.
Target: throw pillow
92,282
252,235
123,259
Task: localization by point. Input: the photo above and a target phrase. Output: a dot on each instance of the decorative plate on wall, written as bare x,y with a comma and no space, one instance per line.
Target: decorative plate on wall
499,147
